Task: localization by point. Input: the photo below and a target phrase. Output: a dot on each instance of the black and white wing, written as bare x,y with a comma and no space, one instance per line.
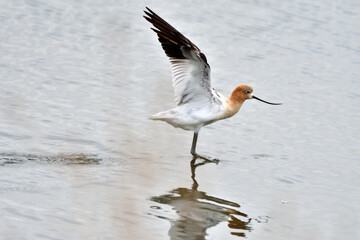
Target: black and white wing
190,70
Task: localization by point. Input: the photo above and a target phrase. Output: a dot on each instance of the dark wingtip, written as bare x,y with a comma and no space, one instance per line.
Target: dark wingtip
149,12
147,18
171,39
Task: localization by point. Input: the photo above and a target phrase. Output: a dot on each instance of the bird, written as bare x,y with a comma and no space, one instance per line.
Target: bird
198,103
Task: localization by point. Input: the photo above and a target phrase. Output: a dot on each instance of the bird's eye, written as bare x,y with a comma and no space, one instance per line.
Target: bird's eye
248,91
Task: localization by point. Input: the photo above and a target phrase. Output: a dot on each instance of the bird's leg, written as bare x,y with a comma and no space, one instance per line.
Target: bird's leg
193,151
193,147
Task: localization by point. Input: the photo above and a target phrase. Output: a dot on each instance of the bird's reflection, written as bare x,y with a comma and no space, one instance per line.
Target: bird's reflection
198,211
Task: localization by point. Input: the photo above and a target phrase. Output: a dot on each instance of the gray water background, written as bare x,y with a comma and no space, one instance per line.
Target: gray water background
80,160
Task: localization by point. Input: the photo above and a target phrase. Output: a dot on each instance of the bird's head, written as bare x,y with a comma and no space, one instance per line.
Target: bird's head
244,92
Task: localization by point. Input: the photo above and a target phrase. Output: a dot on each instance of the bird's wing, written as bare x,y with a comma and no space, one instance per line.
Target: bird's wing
190,70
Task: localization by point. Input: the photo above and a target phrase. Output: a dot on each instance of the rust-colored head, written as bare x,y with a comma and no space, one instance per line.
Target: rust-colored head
237,98
241,93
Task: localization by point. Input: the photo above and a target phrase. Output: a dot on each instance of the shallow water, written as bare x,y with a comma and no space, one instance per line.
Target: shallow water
80,160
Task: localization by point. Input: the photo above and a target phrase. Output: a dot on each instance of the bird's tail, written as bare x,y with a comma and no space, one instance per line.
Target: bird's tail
165,115
154,117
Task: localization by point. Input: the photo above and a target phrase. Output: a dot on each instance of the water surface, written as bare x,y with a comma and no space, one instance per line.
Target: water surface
80,160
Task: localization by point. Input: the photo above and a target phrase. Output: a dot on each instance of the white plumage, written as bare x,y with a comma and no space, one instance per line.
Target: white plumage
198,104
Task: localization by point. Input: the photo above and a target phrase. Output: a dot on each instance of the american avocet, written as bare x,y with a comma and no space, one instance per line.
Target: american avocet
198,104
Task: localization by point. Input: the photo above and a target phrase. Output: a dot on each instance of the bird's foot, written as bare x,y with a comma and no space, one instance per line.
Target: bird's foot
206,159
